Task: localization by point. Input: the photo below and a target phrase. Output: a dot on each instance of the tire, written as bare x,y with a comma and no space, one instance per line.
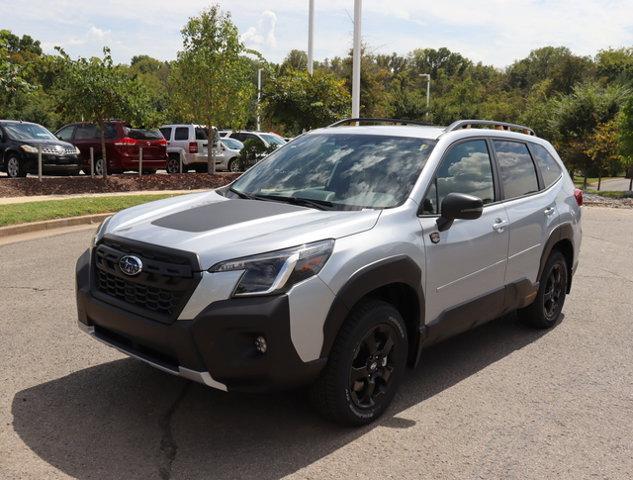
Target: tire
356,387
234,166
173,164
99,164
545,311
15,167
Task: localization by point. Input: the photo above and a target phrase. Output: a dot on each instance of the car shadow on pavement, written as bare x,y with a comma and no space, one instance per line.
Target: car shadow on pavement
124,419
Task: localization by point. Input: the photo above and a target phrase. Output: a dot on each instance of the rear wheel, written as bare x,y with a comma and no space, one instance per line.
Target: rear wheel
365,365
15,167
99,166
548,305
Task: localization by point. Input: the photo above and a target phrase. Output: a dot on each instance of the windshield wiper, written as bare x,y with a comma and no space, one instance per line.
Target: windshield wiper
305,202
242,194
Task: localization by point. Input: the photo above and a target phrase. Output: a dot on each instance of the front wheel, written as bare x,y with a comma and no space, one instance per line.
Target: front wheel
365,365
548,305
234,165
15,168
173,164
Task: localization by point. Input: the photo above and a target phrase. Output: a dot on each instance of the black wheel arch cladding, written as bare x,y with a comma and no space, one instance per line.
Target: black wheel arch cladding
561,239
397,280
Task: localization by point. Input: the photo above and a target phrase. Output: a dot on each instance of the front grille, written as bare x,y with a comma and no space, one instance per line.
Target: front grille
160,291
58,150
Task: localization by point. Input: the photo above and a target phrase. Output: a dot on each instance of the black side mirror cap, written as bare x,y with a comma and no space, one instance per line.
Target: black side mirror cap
459,206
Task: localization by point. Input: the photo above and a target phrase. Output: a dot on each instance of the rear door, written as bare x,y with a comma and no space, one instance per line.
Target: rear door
85,137
465,265
531,209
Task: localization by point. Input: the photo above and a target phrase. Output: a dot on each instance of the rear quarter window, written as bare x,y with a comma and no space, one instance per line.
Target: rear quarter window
141,134
549,167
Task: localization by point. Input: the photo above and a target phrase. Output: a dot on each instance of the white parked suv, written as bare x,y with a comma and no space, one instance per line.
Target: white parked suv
335,260
188,143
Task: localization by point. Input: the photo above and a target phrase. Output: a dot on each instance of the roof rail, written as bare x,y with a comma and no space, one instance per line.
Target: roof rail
459,124
376,120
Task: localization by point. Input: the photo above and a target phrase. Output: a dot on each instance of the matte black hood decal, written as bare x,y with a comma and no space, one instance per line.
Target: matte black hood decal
223,214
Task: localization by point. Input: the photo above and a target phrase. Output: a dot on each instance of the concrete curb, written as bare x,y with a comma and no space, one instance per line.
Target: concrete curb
51,224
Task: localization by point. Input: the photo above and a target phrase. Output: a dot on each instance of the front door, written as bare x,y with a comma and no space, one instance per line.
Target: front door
465,265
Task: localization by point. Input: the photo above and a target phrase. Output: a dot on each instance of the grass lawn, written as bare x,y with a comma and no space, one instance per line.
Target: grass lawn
610,194
592,182
35,211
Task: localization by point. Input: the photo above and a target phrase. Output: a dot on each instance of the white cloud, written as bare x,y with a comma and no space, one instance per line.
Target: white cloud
492,31
264,33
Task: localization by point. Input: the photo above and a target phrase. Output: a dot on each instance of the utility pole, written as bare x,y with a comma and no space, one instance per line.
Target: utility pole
259,94
358,6
311,38
427,77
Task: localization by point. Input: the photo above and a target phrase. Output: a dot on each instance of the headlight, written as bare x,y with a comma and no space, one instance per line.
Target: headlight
272,272
100,231
77,151
29,148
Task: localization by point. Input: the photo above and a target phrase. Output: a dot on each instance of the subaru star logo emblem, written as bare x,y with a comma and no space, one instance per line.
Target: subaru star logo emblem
130,265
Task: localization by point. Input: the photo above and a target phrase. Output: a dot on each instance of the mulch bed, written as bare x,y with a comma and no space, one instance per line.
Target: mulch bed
18,187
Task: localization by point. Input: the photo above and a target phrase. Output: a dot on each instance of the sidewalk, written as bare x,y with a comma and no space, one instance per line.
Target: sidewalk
39,198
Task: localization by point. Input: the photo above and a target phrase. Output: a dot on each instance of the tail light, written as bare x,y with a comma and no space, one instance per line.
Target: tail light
162,142
193,147
578,196
126,142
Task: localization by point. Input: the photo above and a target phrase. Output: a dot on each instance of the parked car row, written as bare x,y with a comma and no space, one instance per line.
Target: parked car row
68,151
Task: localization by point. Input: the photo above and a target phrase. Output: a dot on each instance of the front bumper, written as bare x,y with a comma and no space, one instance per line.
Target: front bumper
53,163
216,347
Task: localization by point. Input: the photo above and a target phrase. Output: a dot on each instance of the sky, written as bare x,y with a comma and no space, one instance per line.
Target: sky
494,32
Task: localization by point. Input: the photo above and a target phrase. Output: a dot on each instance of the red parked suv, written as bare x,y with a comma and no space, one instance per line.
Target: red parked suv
122,146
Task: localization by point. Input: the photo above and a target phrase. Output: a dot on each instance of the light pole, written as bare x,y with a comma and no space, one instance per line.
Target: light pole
311,38
428,91
259,94
358,5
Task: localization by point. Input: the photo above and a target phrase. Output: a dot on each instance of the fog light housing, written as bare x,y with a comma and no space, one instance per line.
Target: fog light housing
260,344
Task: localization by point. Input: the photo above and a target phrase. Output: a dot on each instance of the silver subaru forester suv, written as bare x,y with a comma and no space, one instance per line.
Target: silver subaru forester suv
335,260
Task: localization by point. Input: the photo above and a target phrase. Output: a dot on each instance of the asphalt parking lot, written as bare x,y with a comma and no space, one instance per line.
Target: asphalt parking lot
502,401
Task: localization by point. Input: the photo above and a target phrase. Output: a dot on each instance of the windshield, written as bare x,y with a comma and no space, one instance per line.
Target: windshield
348,171
232,143
272,139
28,131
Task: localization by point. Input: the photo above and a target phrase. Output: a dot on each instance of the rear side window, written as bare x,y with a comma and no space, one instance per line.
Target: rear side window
166,131
140,134
517,171
466,168
182,133
550,169
66,133
201,133
86,132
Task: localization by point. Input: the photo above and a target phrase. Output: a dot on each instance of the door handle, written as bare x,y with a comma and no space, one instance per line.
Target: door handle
499,225
548,211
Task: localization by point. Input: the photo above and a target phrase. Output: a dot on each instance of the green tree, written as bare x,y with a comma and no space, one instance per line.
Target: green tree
209,82
96,90
626,138
300,101
577,117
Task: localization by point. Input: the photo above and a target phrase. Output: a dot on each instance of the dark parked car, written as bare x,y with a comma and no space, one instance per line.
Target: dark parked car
19,142
122,146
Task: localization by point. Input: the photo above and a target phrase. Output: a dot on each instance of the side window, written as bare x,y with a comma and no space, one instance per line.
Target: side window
238,136
201,133
166,131
66,133
550,169
182,133
110,131
86,132
517,171
466,168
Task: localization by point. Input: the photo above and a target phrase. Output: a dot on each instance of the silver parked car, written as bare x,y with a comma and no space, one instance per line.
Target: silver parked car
338,258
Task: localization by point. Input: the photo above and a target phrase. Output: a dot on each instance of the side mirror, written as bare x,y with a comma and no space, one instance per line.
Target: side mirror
459,206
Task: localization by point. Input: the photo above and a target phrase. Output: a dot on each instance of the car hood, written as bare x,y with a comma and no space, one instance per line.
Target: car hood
217,228
47,143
